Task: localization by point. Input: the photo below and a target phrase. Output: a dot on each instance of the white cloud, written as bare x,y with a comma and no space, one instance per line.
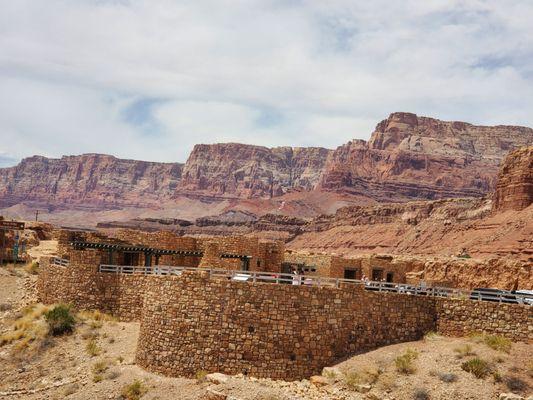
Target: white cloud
148,79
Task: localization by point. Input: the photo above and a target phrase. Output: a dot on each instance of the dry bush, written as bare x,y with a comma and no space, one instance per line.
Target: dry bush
111,374
94,318
477,367
515,384
365,376
5,307
200,375
464,351
447,377
134,391
30,328
431,335
405,362
32,268
421,394
498,343
70,389
92,348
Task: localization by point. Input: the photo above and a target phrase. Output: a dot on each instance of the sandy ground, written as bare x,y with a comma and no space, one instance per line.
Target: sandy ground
62,368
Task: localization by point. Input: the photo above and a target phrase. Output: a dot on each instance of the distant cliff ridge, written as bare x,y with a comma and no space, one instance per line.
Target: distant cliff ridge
407,158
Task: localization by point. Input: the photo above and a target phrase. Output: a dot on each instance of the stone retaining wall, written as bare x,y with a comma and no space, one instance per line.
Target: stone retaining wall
192,323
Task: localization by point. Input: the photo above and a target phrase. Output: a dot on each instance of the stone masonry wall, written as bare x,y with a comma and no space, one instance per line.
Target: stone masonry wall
461,317
191,323
194,323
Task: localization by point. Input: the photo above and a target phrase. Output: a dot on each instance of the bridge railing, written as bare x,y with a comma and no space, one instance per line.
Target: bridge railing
303,280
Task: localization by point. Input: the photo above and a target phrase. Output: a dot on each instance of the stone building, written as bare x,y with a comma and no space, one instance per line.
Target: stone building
374,266
137,248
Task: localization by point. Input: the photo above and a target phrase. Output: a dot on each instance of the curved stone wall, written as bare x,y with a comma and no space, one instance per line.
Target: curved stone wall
194,323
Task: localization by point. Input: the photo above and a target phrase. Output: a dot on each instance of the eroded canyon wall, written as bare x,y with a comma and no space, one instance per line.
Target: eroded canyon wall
412,157
90,180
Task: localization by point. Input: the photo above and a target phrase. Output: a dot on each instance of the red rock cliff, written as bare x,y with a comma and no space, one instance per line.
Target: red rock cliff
411,157
240,170
88,180
515,182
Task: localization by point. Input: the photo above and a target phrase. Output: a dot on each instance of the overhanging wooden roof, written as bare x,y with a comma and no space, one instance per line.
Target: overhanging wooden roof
151,250
132,248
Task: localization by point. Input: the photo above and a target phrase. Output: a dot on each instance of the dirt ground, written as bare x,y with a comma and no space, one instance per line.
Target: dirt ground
65,367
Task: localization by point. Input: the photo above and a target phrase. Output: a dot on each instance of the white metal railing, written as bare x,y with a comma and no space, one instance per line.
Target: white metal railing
303,280
60,261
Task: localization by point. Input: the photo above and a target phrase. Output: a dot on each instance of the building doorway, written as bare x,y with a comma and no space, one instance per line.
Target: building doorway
377,275
390,277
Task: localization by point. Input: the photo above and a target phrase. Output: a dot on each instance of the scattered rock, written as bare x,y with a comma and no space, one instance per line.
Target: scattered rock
216,378
319,381
510,396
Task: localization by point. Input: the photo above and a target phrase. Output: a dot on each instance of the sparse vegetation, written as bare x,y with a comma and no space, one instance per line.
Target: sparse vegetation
405,362
421,394
498,343
515,384
477,367
365,376
431,335
70,389
464,351
200,376
134,391
92,347
60,320
448,377
32,268
5,307
30,327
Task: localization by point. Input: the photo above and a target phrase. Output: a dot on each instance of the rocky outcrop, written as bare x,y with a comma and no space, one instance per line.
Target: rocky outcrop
407,158
411,157
89,180
444,227
246,171
515,182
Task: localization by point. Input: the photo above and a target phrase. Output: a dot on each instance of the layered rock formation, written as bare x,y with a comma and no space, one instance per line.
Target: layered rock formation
407,158
89,180
411,157
515,182
239,170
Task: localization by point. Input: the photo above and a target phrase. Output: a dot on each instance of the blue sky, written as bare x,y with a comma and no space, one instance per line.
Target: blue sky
147,79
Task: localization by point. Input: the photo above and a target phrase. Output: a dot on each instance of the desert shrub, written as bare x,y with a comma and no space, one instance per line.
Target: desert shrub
496,376
70,389
431,335
352,379
200,375
92,348
5,307
464,350
28,328
32,268
111,374
498,343
477,367
134,391
515,384
448,377
329,373
60,320
100,367
421,394
405,362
